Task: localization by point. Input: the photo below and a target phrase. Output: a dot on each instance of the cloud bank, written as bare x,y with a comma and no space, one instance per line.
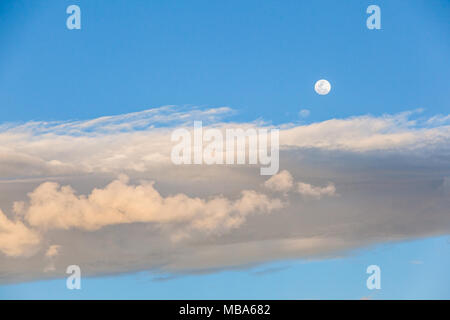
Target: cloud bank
104,194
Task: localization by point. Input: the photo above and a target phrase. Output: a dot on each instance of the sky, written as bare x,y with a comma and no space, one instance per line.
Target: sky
405,277
380,138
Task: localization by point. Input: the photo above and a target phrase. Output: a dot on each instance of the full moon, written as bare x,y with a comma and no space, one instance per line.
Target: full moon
322,87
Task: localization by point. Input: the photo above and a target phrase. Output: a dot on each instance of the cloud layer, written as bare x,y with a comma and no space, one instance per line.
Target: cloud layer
104,194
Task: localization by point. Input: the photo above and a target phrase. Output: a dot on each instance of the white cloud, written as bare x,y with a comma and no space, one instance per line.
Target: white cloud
58,207
282,182
53,251
16,239
135,142
316,192
366,133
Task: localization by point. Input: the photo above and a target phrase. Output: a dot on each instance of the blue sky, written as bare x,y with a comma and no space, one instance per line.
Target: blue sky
260,58
409,270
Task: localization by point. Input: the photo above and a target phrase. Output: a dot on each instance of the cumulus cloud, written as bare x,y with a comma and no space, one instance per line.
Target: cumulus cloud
16,239
439,120
282,181
59,185
316,192
52,206
53,251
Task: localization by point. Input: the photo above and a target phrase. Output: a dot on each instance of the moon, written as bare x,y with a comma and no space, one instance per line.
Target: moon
322,87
